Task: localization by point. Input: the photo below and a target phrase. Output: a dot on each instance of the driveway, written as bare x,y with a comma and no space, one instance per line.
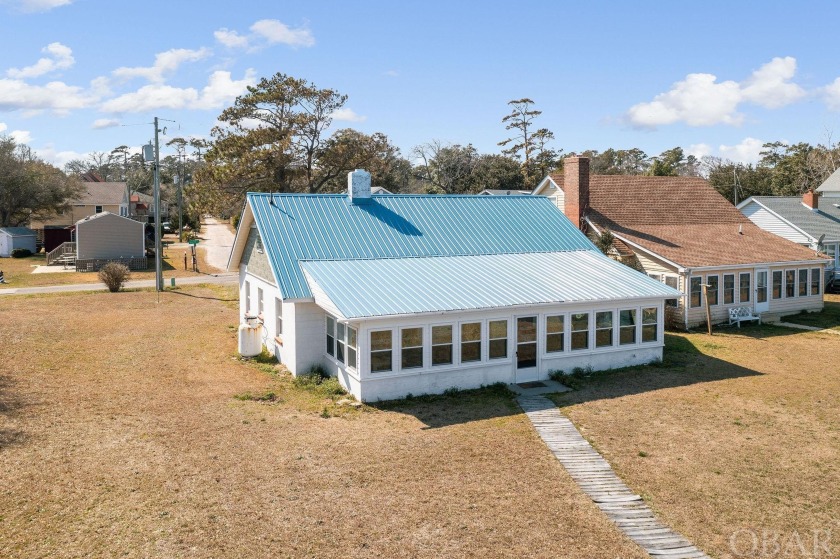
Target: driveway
216,240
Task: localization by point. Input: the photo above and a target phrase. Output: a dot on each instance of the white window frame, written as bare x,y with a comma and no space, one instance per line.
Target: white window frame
819,281
691,304
773,285
371,351
508,352
247,297
636,326
260,302
802,290
749,289
792,285
642,325
422,348
278,316
717,289
563,333
734,300
452,343
589,325
481,339
595,345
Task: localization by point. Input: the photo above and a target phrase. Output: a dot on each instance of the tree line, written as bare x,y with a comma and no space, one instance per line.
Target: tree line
278,137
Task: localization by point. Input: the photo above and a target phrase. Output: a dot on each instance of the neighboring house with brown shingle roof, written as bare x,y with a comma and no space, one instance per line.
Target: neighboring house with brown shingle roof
684,233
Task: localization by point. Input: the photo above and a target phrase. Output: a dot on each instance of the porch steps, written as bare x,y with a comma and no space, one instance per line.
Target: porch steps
598,480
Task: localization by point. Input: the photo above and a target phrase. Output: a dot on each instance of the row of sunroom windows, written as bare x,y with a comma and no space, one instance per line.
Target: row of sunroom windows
785,283
488,340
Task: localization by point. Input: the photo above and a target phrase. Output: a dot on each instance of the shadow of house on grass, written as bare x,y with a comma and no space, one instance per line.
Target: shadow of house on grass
455,406
683,364
9,406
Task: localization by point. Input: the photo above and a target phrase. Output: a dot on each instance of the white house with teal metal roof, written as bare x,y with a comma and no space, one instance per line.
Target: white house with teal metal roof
414,294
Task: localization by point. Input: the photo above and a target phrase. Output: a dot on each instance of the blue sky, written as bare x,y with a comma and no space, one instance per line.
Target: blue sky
716,78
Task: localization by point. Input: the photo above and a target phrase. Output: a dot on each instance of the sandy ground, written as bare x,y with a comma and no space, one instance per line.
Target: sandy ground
217,241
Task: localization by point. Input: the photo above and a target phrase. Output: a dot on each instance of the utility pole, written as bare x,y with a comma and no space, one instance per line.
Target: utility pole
158,245
182,153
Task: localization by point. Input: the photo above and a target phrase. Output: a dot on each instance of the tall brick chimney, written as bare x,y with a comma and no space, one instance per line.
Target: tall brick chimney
576,189
811,199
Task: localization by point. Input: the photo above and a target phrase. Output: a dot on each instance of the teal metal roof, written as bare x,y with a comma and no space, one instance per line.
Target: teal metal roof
18,231
298,227
402,286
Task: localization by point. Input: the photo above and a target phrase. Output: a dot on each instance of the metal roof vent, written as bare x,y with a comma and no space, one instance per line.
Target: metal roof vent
358,187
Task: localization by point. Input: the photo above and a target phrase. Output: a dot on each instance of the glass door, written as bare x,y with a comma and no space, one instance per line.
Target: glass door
526,349
762,300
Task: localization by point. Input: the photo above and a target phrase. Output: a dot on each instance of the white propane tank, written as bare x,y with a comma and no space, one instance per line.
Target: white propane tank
250,337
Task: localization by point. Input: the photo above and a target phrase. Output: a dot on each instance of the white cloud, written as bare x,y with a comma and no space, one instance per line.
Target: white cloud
40,5
275,31
347,115
165,63
220,90
21,136
101,123
831,95
60,57
747,151
230,38
770,85
59,158
55,96
700,100
699,150
3,126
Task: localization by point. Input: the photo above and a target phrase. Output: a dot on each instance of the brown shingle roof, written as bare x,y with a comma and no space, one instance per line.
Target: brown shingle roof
684,220
102,193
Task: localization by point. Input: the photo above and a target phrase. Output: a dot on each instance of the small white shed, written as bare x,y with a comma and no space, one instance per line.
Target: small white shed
16,237
105,237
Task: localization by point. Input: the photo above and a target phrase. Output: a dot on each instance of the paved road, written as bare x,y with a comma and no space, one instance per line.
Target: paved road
225,278
217,240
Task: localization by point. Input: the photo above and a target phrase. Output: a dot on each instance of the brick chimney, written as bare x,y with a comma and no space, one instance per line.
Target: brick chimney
576,189
811,199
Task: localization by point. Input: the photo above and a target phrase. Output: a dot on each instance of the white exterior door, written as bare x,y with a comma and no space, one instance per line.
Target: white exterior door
762,291
526,349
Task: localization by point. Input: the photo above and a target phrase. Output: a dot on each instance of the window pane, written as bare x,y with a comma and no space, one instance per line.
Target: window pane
441,334
649,333
627,317
696,292
526,355
380,361
442,355
603,337
471,332
553,324
380,340
330,326
745,288
728,289
412,358
580,321
526,329
498,329
713,289
470,351
339,350
603,319
650,326
790,283
554,342
777,284
351,357
498,348
649,315
671,281
803,282
815,281
580,340
340,331
627,335
331,345
412,337
278,311
351,337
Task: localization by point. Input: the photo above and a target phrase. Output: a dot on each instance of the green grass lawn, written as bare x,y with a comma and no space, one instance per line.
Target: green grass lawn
829,317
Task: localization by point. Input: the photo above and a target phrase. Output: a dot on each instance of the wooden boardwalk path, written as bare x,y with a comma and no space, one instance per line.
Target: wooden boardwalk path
597,479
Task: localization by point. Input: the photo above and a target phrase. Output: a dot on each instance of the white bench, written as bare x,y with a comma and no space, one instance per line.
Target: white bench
740,314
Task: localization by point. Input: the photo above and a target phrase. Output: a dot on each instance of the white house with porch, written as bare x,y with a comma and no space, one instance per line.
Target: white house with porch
413,294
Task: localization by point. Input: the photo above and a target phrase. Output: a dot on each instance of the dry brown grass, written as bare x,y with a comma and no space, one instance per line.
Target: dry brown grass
120,436
738,431
18,271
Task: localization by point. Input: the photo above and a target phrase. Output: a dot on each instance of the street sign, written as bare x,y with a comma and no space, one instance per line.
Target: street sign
193,241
